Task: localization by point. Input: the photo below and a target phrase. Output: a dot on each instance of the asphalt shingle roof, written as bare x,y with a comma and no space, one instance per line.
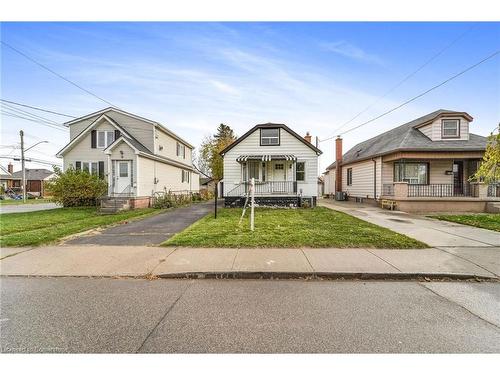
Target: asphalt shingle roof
33,174
408,137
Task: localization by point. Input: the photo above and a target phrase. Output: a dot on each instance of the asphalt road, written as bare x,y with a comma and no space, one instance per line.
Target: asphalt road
152,230
257,316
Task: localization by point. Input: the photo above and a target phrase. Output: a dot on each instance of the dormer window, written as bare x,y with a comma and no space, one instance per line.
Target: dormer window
450,129
270,137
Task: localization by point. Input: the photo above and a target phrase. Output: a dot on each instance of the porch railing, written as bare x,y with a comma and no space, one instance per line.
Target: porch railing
443,190
265,188
494,190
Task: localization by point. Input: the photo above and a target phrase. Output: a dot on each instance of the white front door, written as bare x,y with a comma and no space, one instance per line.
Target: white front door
279,184
123,176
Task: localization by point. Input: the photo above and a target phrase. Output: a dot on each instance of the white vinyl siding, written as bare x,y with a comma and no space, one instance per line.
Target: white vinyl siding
167,177
363,178
168,147
83,152
288,145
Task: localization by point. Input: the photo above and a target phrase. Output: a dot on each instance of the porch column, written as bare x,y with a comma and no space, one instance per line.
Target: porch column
400,190
482,190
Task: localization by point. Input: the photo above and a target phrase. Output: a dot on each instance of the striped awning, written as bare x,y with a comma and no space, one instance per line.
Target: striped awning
243,158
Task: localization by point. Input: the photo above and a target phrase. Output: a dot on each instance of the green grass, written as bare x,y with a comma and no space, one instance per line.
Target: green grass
487,221
5,202
42,227
318,227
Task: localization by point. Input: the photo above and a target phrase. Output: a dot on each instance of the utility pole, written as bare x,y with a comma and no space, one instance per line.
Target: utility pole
21,133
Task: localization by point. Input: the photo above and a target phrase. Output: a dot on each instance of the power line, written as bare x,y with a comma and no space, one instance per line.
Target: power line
29,114
37,108
5,113
30,160
55,73
422,94
434,57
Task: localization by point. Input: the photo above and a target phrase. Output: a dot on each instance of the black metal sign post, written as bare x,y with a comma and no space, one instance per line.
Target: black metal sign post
216,195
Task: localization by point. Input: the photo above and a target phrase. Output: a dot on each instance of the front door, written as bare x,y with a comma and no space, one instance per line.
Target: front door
279,184
123,176
458,177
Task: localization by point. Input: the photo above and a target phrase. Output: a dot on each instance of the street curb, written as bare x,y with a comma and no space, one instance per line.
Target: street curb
244,275
319,276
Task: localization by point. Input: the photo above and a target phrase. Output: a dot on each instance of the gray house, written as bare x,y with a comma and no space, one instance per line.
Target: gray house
423,165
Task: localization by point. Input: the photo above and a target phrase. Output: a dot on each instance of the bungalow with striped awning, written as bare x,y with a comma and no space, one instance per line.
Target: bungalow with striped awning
283,164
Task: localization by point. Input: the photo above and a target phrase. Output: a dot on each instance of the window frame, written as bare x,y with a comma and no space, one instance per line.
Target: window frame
79,164
303,171
106,138
270,144
349,176
457,135
181,150
397,165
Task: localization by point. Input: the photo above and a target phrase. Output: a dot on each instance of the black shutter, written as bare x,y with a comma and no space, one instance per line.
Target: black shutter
101,170
117,134
78,165
93,139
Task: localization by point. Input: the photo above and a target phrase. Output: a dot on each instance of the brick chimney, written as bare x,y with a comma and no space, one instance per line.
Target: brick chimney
308,137
338,164
10,168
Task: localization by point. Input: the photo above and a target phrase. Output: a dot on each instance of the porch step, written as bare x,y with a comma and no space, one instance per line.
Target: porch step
493,207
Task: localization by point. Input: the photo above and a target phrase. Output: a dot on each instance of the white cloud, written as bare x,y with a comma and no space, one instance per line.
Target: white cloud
350,50
224,87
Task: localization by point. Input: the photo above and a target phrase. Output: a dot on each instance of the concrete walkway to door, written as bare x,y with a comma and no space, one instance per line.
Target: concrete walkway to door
435,233
150,231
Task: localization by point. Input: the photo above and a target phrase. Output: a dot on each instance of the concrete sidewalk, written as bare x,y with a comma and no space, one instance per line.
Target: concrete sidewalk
435,233
141,261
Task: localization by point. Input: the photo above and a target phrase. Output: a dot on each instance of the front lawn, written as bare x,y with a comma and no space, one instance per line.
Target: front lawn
318,227
41,227
487,221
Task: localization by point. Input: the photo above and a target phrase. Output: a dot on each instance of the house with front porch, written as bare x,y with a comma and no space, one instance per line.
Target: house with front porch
137,157
423,166
283,164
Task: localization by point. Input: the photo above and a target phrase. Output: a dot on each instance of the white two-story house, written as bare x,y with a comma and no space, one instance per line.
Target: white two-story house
283,164
136,156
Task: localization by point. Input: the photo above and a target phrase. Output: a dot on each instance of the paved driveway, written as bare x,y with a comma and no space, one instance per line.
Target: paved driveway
29,207
152,230
435,233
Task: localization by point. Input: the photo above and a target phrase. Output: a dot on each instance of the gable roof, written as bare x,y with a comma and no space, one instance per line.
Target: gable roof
85,131
407,137
125,113
33,174
272,125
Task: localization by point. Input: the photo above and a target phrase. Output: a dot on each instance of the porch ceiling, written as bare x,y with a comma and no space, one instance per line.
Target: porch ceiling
243,158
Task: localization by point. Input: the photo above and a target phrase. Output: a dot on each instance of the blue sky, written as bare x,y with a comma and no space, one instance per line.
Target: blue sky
193,76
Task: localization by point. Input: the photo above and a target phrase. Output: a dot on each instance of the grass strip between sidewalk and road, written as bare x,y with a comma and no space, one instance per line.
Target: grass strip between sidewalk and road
486,221
291,228
42,227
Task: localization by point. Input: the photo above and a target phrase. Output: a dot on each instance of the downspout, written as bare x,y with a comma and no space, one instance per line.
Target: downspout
374,179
